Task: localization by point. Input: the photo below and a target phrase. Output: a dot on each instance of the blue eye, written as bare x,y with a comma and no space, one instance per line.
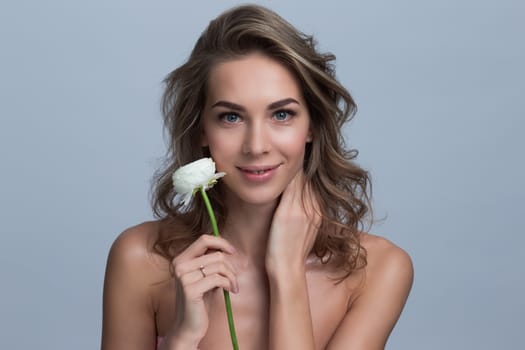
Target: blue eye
230,117
283,115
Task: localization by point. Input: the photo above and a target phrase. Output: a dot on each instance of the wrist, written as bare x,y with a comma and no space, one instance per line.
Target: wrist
285,273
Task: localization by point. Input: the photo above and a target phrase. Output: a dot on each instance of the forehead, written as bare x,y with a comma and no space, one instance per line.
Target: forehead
250,78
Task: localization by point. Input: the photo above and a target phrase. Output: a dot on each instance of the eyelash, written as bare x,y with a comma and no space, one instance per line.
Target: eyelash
223,116
290,114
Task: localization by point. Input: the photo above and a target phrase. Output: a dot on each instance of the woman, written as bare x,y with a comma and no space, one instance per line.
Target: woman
258,98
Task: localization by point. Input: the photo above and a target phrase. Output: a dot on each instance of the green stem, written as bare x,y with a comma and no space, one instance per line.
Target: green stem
226,293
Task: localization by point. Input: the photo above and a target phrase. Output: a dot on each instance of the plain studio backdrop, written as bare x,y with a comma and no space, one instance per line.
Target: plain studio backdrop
441,97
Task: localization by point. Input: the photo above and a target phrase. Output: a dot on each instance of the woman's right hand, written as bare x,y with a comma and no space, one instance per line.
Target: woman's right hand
201,267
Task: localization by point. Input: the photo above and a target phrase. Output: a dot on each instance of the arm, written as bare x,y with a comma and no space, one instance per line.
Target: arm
128,314
372,316
128,322
192,283
290,317
373,313
292,235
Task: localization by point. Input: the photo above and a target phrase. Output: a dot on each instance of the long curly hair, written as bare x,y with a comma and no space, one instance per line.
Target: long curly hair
342,188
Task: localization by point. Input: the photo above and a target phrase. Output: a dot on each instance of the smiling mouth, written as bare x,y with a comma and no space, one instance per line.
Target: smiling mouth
258,170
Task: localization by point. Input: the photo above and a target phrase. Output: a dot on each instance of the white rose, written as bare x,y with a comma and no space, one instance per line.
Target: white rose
189,178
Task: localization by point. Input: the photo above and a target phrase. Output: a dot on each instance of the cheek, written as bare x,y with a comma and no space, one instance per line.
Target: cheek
222,143
215,138
294,142
223,148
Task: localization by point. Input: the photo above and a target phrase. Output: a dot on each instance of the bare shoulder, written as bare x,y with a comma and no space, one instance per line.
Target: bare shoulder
387,260
136,239
131,272
384,286
133,251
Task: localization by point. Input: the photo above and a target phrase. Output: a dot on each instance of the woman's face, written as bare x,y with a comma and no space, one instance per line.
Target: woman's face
256,125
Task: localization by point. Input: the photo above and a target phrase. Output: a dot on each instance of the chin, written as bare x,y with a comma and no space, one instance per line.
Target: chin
261,196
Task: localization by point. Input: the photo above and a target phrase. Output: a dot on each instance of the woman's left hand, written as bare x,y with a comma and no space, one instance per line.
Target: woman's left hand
294,227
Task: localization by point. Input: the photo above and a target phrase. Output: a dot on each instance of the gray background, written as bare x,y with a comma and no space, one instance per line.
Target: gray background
440,88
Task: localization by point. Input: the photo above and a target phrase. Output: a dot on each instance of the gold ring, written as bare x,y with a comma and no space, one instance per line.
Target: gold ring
202,271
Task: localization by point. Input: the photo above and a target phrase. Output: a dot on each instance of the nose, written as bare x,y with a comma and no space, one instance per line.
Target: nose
256,138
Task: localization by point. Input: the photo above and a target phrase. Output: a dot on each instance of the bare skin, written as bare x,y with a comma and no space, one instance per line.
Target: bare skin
369,309
282,297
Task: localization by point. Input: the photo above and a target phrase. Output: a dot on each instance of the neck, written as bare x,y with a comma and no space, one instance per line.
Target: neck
247,228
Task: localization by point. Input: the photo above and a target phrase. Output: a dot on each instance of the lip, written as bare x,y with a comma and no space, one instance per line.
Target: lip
258,173
258,167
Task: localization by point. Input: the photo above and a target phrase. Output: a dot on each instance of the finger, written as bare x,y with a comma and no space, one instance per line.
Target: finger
204,243
299,201
186,266
215,258
291,195
196,290
212,263
310,201
303,193
294,188
223,270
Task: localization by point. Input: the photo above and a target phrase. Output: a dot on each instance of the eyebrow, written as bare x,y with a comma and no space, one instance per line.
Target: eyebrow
282,103
236,107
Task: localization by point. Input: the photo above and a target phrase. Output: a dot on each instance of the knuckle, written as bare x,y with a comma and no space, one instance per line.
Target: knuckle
223,270
179,271
219,280
203,239
219,256
184,280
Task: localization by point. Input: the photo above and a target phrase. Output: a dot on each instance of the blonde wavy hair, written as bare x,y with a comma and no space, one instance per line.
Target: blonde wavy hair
342,188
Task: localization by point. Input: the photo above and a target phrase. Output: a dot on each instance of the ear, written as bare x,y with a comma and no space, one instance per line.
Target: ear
309,136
